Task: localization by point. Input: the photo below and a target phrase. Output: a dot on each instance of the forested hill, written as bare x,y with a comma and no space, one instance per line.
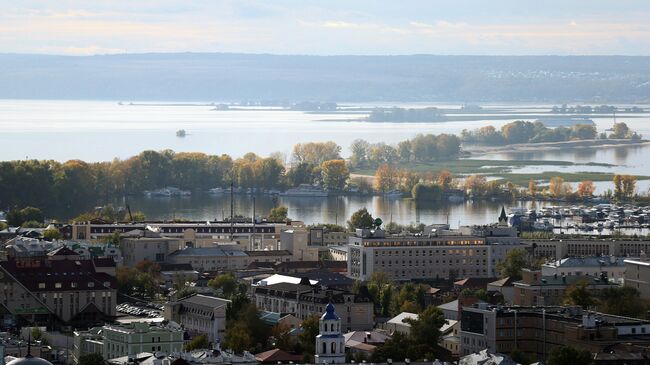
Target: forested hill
236,77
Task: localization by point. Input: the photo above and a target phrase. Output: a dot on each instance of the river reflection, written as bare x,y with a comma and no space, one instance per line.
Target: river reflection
322,210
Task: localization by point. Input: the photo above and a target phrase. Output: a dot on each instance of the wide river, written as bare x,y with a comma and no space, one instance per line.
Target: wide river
103,130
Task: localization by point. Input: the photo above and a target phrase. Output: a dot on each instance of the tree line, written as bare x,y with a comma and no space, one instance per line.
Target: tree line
536,132
421,148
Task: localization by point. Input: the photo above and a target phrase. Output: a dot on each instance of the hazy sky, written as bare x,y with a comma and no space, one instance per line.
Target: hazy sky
327,27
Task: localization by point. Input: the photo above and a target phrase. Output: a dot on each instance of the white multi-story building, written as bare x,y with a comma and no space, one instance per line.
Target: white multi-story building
436,253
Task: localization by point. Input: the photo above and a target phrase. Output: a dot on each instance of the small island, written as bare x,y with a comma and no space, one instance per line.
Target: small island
180,133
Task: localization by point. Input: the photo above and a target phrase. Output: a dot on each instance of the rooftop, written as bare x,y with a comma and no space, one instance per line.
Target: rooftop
399,319
593,261
207,251
204,300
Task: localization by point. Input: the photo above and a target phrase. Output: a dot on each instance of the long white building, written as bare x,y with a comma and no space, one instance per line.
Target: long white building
438,253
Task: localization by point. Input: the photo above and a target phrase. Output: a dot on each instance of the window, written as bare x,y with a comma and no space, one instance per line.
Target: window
73,285
58,285
41,285
91,284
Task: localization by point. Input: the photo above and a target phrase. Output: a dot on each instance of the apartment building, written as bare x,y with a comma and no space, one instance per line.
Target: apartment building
435,254
304,300
536,331
114,340
200,315
535,289
60,288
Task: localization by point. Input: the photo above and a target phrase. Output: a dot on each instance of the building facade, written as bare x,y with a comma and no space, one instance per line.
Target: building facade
57,289
637,275
304,300
536,331
113,341
436,255
200,315
535,289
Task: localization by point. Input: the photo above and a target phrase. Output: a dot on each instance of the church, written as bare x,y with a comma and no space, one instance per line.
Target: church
330,343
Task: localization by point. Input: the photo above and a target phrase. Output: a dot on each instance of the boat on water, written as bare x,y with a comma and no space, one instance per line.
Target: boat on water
306,190
166,192
393,194
217,191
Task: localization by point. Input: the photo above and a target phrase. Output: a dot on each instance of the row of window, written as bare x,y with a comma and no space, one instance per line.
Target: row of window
74,284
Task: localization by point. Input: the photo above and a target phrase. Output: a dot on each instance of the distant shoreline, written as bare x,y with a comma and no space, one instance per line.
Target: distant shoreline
477,150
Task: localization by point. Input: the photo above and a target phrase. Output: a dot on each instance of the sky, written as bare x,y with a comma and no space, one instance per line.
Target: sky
327,27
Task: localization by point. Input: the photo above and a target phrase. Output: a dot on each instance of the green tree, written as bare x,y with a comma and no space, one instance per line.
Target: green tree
579,294
427,192
278,214
425,330
308,335
91,359
237,338
569,355
514,262
301,173
620,131
198,342
316,152
360,219
335,174
622,301
227,283
51,234
359,150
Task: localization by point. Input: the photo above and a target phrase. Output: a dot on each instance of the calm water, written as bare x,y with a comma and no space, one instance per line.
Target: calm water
320,210
103,130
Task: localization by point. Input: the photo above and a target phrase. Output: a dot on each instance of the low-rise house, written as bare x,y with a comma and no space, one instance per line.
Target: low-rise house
450,337
277,356
399,323
504,286
450,310
200,315
364,341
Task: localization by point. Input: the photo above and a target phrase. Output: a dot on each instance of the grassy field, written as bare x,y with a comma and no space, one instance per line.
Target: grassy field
503,169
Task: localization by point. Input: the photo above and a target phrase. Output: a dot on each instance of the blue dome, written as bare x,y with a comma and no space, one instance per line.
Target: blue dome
329,314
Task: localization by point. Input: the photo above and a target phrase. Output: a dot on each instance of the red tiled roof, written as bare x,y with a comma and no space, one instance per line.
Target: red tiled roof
275,355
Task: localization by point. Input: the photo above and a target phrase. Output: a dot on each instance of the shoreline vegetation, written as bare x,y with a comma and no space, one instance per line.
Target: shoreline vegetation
427,167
